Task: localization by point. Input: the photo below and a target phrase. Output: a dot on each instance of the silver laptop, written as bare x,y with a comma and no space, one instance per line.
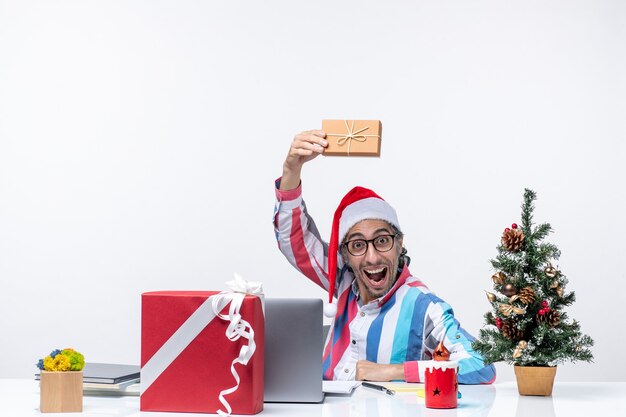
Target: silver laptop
293,350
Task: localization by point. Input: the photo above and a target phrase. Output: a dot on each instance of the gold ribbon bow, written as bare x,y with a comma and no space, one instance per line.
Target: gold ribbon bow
351,135
507,309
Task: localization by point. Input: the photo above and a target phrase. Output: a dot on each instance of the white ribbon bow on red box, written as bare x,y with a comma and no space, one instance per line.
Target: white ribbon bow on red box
238,327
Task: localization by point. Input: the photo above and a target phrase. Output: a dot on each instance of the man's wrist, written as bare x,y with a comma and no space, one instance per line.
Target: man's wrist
291,178
396,372
292,170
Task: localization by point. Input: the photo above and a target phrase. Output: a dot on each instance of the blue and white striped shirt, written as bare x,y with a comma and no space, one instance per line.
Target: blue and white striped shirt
402,327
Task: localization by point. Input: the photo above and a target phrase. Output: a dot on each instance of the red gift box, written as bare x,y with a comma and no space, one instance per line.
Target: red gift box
186,356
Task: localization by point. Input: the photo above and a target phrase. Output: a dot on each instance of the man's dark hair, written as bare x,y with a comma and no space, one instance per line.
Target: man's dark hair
404,258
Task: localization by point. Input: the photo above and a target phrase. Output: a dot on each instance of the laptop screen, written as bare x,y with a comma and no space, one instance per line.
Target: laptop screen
293,350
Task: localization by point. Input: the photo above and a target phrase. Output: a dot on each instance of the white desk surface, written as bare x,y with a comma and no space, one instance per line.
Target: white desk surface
20,397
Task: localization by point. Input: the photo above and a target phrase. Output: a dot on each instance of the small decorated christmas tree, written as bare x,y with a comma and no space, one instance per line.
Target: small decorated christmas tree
528,325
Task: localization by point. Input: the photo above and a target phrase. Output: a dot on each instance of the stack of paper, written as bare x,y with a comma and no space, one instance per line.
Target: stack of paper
128,388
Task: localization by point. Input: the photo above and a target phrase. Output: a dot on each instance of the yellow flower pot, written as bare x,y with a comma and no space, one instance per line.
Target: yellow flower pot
61,392
535,380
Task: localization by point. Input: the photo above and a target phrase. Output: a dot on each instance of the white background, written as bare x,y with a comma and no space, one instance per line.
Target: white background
139,141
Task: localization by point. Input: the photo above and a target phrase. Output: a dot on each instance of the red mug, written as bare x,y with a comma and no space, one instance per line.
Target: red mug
441,385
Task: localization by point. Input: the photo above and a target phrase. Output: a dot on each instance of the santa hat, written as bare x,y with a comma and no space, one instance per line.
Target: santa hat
358,204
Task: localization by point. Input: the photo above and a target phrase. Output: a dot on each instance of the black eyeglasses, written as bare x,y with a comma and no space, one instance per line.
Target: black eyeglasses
382,243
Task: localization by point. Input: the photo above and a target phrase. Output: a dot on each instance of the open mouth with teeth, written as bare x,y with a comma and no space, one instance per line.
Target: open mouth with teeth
376,276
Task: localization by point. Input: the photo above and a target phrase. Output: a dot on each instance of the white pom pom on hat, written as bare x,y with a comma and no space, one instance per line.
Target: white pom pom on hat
358,204
330,309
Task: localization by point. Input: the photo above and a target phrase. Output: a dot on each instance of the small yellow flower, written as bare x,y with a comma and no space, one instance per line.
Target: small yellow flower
61,363
48,363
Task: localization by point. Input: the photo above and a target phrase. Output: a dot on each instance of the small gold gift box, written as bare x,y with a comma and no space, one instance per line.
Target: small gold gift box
352,137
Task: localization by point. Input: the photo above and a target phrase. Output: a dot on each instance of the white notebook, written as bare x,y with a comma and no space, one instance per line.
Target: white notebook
339,387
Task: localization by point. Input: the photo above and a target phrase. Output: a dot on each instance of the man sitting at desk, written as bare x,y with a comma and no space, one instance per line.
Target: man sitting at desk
386,321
